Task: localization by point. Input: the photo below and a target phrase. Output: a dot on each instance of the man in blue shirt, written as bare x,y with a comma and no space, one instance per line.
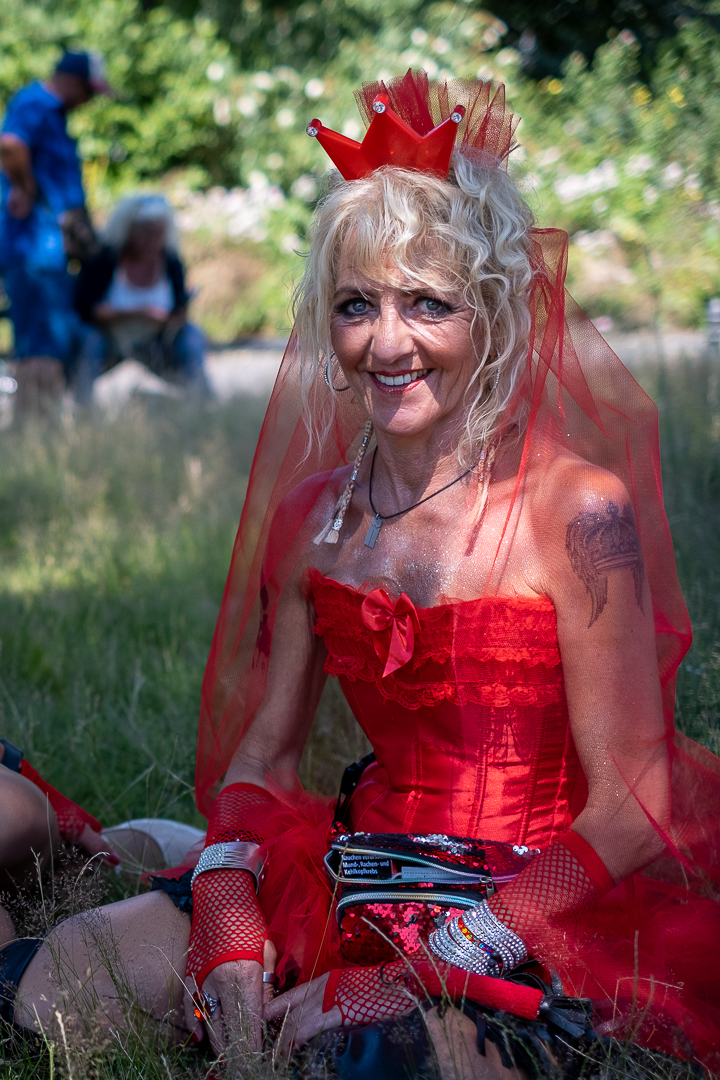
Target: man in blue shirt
40,189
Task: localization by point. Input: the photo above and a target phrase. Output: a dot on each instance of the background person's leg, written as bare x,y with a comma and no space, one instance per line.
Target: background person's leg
89,362
43,323
41,382
111,967
185,356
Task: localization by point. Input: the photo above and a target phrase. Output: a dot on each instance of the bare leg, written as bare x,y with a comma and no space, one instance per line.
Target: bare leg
28,830
117,966
7,928
454,1039
40,382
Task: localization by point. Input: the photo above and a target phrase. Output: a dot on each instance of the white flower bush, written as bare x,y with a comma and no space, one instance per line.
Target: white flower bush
577,185
240,213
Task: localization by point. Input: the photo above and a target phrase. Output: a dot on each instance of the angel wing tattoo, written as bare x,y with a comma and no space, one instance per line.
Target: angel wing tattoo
600,541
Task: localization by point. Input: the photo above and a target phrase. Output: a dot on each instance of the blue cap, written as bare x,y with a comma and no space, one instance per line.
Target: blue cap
86,66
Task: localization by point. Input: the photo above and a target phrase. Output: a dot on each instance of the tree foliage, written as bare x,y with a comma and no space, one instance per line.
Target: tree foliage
628,163
163,114
547,34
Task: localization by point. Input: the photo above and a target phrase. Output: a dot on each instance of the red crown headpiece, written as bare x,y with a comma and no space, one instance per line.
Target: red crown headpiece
413,126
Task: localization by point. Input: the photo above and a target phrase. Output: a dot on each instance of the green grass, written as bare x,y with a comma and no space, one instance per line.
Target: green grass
115,539
688,399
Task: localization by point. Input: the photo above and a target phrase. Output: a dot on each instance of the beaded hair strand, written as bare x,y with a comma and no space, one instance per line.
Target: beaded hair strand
331,531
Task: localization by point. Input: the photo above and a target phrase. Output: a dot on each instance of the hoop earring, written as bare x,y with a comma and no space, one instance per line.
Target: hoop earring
328,379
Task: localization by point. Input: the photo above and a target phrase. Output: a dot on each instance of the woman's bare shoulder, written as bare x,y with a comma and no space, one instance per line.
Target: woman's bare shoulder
568,485
312,499
301,516
576,510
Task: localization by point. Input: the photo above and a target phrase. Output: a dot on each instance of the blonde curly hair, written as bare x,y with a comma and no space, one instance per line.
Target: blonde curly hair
470,234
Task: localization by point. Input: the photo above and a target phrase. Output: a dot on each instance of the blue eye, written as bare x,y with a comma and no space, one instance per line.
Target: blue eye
432,305
357,306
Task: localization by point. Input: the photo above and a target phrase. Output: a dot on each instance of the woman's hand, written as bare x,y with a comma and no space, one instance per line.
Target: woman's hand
302,1008
154,313
105,314
238,988
20,202
96,844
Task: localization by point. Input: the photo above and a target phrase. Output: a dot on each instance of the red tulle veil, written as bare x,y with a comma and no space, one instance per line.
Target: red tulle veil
580,397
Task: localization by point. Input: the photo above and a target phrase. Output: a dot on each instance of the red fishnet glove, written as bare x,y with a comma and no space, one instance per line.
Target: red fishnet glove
365,995
228,923
553,891
71,818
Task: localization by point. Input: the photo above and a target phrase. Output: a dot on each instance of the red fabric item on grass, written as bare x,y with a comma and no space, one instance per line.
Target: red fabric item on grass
71,818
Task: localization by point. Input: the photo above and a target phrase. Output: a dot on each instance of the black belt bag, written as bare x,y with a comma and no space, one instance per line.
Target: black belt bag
393,889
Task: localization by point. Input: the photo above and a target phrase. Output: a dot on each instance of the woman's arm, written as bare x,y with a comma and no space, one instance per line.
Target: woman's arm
228,945
277,736
595,575
584,540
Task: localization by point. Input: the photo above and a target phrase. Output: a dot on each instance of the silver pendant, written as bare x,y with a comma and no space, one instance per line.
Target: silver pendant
372,533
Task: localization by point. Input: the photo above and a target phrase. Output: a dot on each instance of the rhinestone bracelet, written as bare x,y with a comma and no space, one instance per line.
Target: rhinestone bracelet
481,960
478,941
484,923
461,936
232,855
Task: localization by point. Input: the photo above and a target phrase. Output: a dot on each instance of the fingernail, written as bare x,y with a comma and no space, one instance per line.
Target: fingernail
195,1037
113,859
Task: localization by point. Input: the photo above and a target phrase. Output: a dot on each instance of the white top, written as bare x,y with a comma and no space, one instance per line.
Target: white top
124,296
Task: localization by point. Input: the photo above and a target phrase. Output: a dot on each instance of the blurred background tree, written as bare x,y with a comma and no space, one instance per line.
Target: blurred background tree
620,132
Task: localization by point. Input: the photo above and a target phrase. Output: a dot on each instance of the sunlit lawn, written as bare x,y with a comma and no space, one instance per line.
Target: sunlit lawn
115,538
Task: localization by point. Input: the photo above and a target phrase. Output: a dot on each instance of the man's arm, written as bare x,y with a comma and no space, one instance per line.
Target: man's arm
17,165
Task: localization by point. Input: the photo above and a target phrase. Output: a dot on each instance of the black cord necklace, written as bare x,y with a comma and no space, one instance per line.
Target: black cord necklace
377,522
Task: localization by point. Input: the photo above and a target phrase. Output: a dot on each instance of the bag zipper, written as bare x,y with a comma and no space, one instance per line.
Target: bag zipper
441,899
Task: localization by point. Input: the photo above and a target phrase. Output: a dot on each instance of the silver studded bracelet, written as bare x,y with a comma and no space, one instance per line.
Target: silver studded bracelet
233,855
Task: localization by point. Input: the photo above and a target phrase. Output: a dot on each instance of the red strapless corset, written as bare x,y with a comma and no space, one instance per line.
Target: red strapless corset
465,707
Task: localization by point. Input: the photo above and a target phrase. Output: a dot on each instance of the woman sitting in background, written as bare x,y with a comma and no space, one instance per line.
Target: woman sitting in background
133,295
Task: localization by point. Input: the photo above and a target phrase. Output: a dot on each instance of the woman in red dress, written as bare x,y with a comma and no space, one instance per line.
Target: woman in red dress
455,508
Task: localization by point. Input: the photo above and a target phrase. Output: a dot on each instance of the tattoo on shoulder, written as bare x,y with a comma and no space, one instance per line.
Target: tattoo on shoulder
598,541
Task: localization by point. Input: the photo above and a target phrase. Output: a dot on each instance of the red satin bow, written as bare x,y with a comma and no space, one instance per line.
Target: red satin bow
393,627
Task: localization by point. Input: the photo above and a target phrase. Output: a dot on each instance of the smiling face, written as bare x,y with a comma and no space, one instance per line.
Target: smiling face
415,278
407,351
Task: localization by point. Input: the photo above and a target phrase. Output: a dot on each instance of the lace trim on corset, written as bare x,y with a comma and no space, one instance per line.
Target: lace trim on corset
510,645
416,696
426,651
